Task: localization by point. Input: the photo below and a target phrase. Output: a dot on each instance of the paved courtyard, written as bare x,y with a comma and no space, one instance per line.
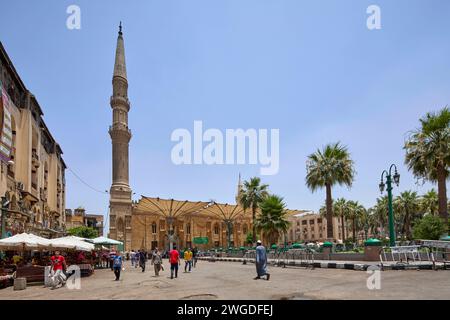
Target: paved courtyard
230,280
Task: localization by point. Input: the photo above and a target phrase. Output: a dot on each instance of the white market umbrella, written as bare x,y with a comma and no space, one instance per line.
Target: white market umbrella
23,242
104,241
71,242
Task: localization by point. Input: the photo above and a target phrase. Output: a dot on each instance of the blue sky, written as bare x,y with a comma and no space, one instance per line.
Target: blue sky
309,68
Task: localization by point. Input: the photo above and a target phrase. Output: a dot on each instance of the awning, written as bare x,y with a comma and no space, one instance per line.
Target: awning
71,242
24,242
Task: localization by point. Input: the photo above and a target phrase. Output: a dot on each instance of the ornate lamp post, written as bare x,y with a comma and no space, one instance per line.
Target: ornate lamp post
382,185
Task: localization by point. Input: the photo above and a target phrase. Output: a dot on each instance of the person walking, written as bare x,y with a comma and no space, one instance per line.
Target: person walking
57,270
112,255
261,261
174,260
187,259
133,257
117,265
157,261
194,256
142,259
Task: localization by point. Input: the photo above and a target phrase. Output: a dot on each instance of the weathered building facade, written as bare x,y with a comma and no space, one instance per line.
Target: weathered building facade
32,173
78,218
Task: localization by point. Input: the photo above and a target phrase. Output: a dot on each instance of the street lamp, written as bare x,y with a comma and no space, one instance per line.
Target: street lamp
382,185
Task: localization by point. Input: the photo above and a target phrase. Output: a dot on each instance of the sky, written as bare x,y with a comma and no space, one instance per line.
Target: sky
311,69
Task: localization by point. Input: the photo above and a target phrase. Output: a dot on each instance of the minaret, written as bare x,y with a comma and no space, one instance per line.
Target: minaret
239,189
120,193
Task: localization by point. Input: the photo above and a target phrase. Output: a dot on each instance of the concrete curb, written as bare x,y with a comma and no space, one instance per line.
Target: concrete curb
333,265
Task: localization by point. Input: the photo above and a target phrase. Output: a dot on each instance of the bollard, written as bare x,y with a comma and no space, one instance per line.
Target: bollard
20,284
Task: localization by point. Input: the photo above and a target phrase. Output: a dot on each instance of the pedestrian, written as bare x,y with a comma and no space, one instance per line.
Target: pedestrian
194,256
57,270
157,261
133,257
117,265
261,261
174,260
112,255
187,259
142,258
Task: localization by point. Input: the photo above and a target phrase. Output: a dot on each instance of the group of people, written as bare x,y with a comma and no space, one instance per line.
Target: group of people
140,257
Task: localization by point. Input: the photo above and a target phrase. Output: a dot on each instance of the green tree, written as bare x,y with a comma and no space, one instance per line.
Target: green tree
83,232
272,220
428,153
326,168
249,238
251,196
429,203
381,212
340,209
355,212
429,228
407,206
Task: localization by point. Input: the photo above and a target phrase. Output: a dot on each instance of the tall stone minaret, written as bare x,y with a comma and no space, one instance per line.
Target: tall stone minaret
120,204
239,189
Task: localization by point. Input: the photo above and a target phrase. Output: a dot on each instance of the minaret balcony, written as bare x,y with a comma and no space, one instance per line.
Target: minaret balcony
119,130
117,101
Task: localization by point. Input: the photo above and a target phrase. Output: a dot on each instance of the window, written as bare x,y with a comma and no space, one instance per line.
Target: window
304,222
188,228
311,221
319,220
245,229
154,227
216,229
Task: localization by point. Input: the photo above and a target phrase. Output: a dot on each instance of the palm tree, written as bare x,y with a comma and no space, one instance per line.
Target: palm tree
328,167
407,205
355,212
251,196
429,203
381,212
272,221
428,153
340,209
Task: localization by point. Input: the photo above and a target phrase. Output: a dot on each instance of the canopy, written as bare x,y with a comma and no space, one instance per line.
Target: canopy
23,242
71,242
104,241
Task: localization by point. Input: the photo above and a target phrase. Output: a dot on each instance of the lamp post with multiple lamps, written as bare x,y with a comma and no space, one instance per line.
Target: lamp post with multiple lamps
382,185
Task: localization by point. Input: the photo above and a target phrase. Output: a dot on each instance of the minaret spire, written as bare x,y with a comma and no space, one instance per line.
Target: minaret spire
239,189
120,203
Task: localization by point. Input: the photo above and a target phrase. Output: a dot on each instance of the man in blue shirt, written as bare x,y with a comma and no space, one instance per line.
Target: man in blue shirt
117,265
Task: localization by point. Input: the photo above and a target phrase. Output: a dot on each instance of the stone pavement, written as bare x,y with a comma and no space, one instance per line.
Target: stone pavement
225,280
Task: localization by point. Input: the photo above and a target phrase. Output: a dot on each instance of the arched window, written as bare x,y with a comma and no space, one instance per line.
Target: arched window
216,229
154,228
188,228
245,229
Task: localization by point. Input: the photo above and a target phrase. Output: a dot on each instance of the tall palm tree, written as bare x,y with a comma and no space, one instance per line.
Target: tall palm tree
355,212
428,153
327,167
381,212
429,203
340,209
272,220
251,196
407,205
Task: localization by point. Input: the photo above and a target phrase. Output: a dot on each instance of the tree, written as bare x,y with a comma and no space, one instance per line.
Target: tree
251,196
249,238
326,168
355,212
429,203
83,232
428,153
429,228
407,206
381,212
272,220
340,209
